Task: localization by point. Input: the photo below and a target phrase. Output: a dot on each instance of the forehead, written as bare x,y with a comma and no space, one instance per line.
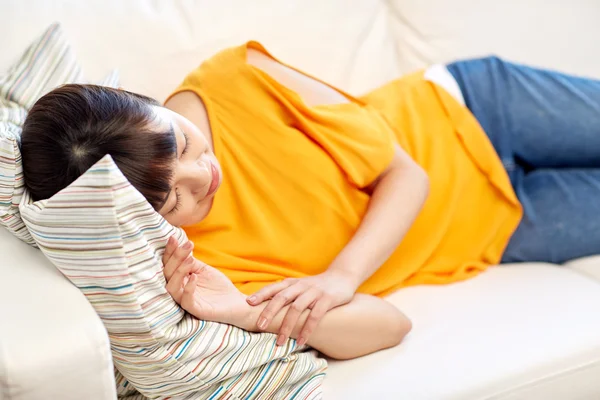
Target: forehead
164,122
163,117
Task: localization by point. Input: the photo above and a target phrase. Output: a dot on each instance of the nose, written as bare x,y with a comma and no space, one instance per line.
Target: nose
196,175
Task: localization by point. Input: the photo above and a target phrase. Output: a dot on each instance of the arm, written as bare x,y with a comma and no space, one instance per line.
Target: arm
397,196
365,325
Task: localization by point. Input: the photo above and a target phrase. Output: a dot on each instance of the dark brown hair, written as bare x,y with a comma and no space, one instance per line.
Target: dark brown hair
72,127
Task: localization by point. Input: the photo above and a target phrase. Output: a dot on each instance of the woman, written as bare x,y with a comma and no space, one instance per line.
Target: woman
302,194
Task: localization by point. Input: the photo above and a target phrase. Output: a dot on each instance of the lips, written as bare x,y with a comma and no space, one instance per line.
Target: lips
214,183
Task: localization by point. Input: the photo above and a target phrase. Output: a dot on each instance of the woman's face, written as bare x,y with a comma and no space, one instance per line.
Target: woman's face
196,174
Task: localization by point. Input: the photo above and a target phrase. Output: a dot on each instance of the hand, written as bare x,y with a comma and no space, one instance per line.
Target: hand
200,289
319,293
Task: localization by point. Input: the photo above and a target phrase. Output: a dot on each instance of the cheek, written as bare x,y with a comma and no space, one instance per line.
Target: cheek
172,220
188,213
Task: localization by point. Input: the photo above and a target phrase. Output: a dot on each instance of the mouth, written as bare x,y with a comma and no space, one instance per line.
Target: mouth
214,183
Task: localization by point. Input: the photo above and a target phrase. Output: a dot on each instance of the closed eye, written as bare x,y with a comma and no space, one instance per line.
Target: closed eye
177,204
185,146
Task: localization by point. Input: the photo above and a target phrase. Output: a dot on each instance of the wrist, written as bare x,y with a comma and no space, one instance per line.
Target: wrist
239,314
246,316
351,275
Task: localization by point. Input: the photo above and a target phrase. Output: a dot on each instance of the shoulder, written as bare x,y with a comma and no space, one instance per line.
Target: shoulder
185,102
313,91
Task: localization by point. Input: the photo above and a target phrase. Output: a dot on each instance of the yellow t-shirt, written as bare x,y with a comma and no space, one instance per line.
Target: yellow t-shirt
291,195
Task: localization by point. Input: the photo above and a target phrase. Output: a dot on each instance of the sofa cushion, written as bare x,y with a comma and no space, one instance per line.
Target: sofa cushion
52,343
588,266
529,331
357,47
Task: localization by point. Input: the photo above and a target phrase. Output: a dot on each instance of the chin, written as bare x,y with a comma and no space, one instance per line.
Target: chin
191,221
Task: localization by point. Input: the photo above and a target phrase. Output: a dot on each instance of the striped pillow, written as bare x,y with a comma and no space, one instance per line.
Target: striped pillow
104,236
47,63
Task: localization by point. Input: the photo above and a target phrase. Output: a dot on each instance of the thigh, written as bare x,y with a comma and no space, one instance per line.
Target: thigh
561,216
536,118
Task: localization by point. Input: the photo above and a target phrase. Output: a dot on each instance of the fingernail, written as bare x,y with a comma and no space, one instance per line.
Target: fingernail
252,299
280,340
189,260
170,241
262,323
301,341
187,246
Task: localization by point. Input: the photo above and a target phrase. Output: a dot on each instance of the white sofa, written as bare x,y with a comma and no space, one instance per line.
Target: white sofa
515,332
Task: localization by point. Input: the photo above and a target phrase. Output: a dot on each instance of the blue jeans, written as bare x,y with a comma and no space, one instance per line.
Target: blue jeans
545,126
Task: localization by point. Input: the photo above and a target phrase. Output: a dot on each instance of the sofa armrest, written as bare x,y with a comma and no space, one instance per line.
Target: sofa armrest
52,343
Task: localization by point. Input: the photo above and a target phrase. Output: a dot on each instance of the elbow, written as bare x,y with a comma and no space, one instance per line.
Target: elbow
384,337
396,330
399,329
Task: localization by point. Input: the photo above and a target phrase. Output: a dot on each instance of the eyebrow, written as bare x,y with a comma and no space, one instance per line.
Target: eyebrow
162,203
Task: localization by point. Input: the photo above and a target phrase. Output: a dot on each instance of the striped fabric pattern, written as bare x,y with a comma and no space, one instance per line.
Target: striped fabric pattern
47,63
11,172
103,235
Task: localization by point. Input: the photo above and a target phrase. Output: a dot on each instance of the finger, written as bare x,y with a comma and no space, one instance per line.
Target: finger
316,315
279,301
169,249
187,299
294,312
177,258
177,282
269,291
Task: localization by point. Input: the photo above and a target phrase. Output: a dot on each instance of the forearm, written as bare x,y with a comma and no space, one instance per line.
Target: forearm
363,326
397,198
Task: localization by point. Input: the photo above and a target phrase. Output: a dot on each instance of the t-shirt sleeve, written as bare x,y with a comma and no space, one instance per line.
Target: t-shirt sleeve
356,137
